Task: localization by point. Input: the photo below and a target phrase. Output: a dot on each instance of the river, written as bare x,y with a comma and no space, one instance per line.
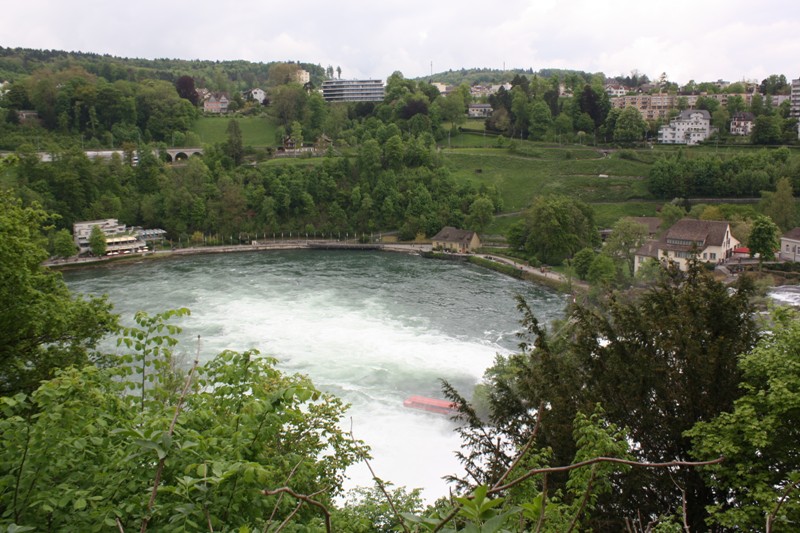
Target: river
370,327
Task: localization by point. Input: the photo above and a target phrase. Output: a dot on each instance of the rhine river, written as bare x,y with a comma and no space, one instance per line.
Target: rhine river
370,327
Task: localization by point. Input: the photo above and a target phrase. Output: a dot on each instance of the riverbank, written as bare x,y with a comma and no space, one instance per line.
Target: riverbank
255,246
509,267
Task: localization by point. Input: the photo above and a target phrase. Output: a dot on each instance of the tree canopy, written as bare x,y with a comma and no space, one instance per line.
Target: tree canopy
42,326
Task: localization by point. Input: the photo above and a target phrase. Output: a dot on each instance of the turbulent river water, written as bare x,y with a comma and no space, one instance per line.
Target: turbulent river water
370,327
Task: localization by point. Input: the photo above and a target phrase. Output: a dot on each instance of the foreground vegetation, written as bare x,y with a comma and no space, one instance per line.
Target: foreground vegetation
669,406
603,422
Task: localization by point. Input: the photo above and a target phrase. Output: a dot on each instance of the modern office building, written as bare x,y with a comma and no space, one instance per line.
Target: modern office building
352,90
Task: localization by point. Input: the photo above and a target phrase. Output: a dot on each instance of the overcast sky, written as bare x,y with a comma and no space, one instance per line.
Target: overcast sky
704,40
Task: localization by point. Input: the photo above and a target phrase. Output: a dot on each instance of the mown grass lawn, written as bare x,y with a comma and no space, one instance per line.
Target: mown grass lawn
258,132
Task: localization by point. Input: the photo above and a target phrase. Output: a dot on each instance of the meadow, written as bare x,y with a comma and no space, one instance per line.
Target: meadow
257,132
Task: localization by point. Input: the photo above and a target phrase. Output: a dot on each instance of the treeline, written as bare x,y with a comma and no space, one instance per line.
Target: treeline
394,181
16,63
740,175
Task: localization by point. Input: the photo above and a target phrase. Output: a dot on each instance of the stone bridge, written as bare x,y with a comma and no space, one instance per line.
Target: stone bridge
180,154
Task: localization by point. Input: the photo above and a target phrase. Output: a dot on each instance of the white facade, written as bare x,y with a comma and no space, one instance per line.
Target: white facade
691,127
256,94
794,102
616,90
119,238
352,90
479,110
790,246
707,241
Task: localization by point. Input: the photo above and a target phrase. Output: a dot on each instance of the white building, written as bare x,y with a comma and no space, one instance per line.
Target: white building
352,90
707,240
119,238
479,110
794,101
615,90
790,245
691,127
256,94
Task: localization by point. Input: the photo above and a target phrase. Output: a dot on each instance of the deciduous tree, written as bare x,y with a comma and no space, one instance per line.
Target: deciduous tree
42,326
759,481
557,227
764,239
97,241
780,205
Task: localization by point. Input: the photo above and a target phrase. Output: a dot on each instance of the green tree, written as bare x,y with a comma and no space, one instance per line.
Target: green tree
42,326
289,103
630,127
540,120
764,239
670,213
651,363
602,271
234,147
581,262
97,241
240,432
557,227
452,108
759,481
481,213
780,206
626,237
63,244
766,130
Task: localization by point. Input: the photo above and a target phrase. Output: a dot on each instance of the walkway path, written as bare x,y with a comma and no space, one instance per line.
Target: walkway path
537,272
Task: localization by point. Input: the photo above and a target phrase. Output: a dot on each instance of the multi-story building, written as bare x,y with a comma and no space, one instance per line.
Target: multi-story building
352,90
742,123
302,76
216,103
650,106
708,241
690,127
119,238
794,102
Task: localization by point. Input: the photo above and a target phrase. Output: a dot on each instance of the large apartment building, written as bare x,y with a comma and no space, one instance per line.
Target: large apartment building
690,127
352,90
794,102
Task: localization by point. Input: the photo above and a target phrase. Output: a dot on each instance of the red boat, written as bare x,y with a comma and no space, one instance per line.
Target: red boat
433,405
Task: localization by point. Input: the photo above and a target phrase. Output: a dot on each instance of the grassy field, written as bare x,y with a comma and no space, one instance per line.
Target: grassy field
520,178
258,132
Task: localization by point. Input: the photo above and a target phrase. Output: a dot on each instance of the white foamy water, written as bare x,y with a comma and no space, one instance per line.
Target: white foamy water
786,295
371,328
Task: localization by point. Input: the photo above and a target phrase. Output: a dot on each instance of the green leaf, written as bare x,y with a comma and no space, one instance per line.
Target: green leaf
79,504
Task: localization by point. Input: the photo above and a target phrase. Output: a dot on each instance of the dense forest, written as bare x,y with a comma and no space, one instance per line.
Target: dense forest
670,406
